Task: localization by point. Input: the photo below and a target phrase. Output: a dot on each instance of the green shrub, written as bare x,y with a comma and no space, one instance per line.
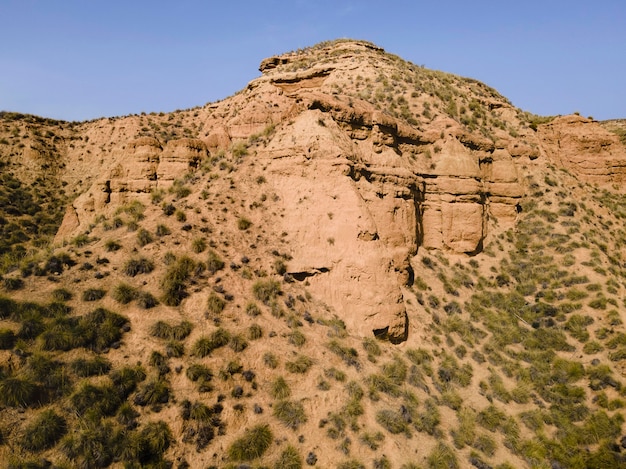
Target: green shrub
296,338
290,413
18,392
156,438
123,293
93,294
372,348
138,266
255,332
45,430
237,343
280,389
214,262
351,464
97,401
491,418
144,237
61,294
300,365
198,245
442,457
252,445
205,345
243,223
7,339
252,309
289,459
112,246
162,230
91,445
94,367
392,421
153,393
145,300
199,372
372,440
173,282
270,360
266,290
215,304
126,379
347,354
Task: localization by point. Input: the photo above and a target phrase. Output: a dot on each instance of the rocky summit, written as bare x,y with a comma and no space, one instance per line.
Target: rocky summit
353,262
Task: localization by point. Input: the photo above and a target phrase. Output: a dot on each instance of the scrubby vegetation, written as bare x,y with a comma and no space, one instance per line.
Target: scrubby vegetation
173,332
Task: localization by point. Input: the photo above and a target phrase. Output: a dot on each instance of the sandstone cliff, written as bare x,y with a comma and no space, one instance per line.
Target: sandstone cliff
370,159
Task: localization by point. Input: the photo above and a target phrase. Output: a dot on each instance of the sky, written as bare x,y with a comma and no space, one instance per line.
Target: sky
84,59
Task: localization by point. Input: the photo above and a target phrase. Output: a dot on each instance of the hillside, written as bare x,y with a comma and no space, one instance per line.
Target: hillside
353,262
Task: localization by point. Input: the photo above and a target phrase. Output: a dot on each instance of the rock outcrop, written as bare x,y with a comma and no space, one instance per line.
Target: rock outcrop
585,148
365,170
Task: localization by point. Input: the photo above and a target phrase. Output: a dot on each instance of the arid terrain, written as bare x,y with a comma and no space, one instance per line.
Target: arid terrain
354,262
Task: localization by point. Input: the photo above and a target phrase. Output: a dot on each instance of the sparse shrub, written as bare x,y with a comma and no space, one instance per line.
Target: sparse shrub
372,348
173,282
289,459
123,293
94,367
153,393
174,348
12,283
351,464
290,413
215,304
393,421
270,360
214,262
335,374
18,392
442,457
125,380
199,372
198,245
300,365
255,332
93,294
280,389
97,401
266,290
44,431
428,420
296,338
7,339
146,300
243,223
155,438
252,445
162,230
61,294
180,216
252,309
238,343
347,354
372,440
91,445
205,345
144,237
138,266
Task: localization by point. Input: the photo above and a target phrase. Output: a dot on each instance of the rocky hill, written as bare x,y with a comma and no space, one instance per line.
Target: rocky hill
353,262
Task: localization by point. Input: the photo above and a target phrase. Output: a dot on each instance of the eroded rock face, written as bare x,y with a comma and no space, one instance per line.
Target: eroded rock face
357,209
143,165
585,148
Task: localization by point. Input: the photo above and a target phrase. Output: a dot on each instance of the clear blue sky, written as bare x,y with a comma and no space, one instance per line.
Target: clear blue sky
82,59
